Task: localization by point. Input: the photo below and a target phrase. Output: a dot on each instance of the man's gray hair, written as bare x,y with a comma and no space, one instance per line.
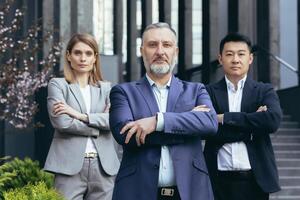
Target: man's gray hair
159,25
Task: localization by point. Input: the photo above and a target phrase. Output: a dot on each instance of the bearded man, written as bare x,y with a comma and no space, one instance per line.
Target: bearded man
160,120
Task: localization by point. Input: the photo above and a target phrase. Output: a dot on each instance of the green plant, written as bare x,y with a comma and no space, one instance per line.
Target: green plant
18,173
40,191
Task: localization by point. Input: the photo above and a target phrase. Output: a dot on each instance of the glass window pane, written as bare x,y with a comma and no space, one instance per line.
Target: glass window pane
103,25
197,32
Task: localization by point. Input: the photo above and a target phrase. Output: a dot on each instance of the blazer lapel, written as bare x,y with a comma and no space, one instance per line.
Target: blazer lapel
174,92
95,92
145,90
222,96
77,94
248,95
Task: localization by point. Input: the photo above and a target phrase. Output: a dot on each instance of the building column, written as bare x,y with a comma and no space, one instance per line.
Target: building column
132,69
263,40
274,43
165,11
185,37
118,35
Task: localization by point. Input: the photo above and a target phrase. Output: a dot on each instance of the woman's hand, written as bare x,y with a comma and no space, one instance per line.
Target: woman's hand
60,107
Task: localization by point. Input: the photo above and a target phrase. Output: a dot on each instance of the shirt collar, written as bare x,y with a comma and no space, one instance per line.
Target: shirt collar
230,85
152,83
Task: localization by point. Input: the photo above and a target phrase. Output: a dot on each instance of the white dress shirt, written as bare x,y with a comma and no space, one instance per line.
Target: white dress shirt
234,156
166,169
86,94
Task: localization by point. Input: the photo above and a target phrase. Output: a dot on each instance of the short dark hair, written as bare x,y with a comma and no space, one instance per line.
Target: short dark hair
235,37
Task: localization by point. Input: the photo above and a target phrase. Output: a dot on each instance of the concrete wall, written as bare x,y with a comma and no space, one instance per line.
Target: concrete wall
288,41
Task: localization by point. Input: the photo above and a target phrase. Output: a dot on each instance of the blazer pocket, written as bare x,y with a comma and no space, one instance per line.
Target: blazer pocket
200,165
126,171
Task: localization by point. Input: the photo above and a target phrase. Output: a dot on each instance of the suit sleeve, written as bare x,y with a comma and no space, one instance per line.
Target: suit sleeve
64,123
101,120
193,123
258,122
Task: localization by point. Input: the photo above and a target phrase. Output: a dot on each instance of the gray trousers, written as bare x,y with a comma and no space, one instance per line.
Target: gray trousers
91,183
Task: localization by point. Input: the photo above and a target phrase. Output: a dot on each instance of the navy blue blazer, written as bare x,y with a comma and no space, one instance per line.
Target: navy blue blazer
249,126
137,178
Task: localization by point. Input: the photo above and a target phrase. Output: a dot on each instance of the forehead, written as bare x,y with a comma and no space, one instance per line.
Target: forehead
159,34
235,46
82,46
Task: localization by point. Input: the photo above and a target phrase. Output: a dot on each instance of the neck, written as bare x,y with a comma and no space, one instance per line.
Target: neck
82,79
160,80
234,80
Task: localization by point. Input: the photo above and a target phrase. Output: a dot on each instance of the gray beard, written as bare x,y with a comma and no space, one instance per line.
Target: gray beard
163,69
160,69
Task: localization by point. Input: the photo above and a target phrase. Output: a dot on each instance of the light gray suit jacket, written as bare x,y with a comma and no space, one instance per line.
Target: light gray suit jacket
66,154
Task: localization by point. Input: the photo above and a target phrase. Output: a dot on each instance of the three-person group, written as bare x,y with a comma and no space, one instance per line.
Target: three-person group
160,122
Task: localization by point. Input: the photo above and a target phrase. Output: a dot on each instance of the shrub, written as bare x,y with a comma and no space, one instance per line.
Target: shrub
18,173
40,191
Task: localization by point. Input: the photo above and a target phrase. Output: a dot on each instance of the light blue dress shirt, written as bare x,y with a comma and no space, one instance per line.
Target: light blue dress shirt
166,169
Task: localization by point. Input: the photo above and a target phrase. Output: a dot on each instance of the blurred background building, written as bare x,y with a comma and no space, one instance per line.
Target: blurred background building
272,25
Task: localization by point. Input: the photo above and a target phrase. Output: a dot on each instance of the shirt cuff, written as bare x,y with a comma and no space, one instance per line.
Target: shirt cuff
160,123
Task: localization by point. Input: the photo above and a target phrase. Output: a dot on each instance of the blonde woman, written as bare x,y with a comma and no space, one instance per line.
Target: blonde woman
82,154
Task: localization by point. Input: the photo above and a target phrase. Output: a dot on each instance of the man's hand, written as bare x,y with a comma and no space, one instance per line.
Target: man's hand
141,128
262,109
202,108
60,107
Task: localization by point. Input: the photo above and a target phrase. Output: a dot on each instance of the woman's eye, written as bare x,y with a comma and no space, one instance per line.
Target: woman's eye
89,53
77,53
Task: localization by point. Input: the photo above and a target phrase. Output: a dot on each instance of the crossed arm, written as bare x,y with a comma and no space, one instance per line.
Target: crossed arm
178,128
66,119
145,126
241,126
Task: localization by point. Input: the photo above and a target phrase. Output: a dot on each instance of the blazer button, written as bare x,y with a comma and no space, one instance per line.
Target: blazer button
156,166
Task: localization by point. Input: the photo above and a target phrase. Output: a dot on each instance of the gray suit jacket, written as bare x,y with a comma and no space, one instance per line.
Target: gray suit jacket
66,154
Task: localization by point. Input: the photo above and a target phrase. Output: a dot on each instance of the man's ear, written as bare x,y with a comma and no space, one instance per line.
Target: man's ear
141,50
251,58
220,59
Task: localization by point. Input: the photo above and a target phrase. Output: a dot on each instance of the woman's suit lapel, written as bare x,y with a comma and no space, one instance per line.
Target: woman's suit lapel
74,88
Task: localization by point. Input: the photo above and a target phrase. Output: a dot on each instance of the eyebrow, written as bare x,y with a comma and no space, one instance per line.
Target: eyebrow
241,50
82,50
157,41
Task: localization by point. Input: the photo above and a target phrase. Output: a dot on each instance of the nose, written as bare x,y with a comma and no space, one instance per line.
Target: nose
235,58
83,57
160,49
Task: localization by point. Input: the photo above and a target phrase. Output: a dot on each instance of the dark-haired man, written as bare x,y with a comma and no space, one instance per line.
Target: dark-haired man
240,157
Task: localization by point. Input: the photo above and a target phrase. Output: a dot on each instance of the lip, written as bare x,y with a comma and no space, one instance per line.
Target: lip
159,61
235,68
82,65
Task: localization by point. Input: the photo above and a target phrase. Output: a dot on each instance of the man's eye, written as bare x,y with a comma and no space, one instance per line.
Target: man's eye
151,44
167,45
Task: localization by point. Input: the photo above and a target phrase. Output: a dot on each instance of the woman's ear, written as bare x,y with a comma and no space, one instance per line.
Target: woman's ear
68,56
